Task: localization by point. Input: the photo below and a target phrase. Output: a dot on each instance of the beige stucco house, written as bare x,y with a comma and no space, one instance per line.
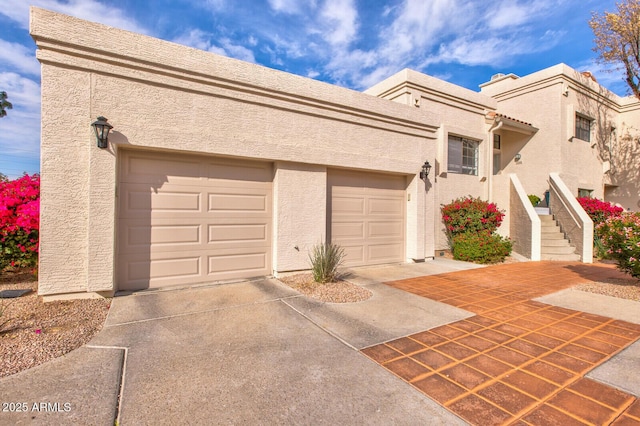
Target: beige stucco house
218,169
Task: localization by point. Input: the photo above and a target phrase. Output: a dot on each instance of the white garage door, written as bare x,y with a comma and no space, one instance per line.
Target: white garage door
367,216
190,219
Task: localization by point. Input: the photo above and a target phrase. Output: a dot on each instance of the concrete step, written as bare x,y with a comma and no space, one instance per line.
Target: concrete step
555,242
552,236
558,249
542,211
546,218
561,257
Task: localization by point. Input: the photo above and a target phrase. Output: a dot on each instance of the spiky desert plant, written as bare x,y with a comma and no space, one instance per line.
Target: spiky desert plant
325,259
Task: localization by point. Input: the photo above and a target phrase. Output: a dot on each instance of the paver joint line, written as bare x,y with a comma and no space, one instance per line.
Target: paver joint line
546,350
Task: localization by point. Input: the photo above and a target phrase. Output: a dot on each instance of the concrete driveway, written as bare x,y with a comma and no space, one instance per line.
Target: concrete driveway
249,352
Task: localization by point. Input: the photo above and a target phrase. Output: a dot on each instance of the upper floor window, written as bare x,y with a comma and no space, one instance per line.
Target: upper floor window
583,128
463,155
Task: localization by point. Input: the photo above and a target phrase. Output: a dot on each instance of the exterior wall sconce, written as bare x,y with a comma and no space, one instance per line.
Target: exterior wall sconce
101,129
518,157
424,172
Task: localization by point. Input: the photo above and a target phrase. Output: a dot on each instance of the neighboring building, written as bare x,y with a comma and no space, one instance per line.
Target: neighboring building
219,169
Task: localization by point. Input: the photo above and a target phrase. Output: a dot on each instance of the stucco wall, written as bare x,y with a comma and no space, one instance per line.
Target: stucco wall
623,175
300,197
162,96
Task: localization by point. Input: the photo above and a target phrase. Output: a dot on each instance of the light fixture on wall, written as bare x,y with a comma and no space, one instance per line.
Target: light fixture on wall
518,157
424,172
101,129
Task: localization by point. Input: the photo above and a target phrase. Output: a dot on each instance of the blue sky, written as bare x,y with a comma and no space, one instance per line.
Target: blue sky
351,43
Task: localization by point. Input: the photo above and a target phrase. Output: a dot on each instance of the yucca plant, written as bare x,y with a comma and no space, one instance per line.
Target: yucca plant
325,259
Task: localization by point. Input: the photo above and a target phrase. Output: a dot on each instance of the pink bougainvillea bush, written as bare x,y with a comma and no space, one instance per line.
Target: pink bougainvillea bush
470,224
599,210
19,221
621,238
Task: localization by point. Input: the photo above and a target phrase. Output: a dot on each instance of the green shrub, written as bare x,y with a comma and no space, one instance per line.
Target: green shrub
535,200
481,247
620,235
468,214
325,259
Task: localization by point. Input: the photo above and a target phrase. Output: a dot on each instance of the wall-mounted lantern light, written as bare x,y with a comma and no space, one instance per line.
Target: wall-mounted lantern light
424,172
101,129
518,157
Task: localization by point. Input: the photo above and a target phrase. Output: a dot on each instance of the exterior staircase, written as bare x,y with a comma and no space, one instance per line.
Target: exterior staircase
554,245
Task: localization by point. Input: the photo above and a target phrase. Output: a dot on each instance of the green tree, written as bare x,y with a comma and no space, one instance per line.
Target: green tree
617,40
4,104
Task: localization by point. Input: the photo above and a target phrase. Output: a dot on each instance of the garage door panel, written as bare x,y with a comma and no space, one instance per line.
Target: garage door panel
354,255
238,203
393,229
141,236
142,200
241,171
240,263
346,230
348,205
383,253
159,169
163,267
239,233
208,222
392,205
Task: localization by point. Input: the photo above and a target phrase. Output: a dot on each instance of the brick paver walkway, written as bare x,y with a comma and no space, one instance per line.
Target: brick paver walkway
518,361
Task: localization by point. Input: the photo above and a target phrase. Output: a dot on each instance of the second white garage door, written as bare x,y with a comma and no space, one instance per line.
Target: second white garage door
367,216
190,219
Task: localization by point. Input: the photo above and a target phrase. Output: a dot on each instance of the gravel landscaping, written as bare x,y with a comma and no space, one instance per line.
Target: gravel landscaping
33,332
336,292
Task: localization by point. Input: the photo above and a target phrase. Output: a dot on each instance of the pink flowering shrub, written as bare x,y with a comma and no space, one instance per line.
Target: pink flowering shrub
19,221
599,210
621,238
468,214
470,224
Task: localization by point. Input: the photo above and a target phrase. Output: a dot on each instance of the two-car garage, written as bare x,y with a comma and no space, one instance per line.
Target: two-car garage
187,219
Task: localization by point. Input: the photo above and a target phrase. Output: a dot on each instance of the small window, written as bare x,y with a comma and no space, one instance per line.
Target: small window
584,192
583,128
496,141
463,155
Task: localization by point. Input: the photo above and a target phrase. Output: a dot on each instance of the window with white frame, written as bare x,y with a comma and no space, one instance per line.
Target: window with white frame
462,155
583,128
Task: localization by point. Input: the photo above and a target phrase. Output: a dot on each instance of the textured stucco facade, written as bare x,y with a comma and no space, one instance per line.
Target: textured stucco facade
165,98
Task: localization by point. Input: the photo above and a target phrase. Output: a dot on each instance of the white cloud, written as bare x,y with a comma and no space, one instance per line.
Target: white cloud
90,10
508,15
339,19
19,57
20,128
201,40
293,7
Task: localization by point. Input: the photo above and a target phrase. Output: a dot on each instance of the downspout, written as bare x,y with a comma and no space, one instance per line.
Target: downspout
492,130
